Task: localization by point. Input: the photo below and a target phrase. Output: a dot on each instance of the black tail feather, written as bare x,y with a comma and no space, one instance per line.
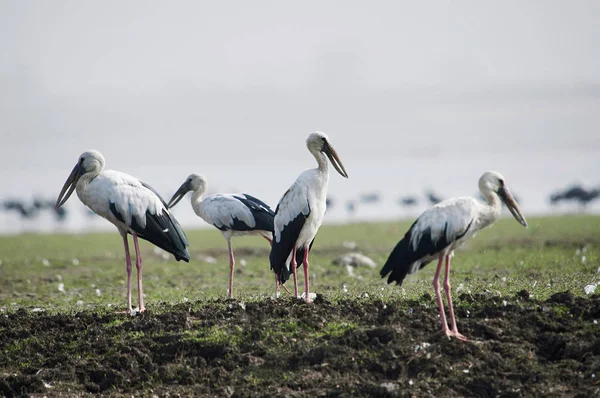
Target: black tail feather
281,250
165,232
398,263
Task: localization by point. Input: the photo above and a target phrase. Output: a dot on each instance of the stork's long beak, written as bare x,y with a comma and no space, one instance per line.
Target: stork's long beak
512,205
335,159
70,184
183,189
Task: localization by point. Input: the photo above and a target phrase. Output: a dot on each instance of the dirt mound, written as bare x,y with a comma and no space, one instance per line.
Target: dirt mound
520,347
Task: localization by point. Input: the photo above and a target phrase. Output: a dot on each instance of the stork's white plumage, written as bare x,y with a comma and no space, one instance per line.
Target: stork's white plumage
131,205
300,213
443,228
232,214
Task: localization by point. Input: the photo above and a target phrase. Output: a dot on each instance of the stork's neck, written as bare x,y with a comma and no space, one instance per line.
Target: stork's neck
322,162
492,207
197,199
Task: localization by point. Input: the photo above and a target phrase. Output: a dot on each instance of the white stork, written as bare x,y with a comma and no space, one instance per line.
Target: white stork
131,205
232,214
300,212
443,228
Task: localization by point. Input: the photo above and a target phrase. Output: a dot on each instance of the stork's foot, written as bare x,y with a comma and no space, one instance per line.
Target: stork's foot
458,335
309,298
454,333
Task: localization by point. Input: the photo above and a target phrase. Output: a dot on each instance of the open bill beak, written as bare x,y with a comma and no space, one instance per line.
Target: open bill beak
512,205
183,189
70,185
335,160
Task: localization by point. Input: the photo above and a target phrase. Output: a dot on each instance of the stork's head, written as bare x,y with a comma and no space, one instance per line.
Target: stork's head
492,182
90,162
194,182
319,142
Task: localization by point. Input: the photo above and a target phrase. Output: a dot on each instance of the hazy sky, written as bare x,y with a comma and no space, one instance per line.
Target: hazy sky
198,84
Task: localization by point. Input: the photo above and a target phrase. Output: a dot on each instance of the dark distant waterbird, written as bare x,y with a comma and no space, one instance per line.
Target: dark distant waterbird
433,197
232,214
408,201
300,212
131,205
443,228
575,193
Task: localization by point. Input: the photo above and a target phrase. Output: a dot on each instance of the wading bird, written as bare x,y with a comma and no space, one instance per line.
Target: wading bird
443,228
300,212
131,205
232,214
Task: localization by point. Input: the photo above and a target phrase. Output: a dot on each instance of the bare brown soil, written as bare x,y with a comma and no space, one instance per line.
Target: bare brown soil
361,347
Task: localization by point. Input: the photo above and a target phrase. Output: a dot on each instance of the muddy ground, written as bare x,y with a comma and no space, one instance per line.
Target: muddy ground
360,347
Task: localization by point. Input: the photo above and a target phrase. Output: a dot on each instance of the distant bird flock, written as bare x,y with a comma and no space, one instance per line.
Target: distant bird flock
136,209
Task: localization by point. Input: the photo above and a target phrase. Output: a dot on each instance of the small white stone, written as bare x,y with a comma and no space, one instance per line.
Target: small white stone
79,302
210,260
36,309
185,299
590,289
349,244
98,292
465,370
243,262
75,261
595,321
505,303
345,289
61,287
583,258
503,279
312,296
410,382
46,262
366,295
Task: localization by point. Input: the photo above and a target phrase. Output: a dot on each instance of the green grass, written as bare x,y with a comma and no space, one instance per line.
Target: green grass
544,259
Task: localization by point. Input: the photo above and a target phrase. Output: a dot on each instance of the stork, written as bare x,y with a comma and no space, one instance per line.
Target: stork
131,205
300,212
232,214
443,228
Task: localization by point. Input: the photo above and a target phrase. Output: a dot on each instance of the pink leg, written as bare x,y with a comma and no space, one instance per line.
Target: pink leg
231,265
138,265
305,263
438,296
454,329
293,265
128,268
276,285
269,239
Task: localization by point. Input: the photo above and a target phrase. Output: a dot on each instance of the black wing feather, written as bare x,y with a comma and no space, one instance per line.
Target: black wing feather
281,250
403,256
162,230
262,213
